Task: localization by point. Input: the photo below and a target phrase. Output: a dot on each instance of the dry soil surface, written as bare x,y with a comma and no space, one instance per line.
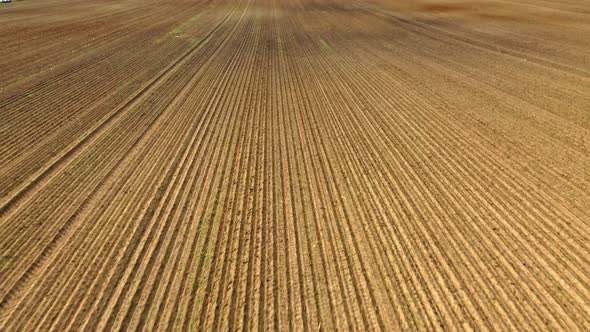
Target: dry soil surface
300,164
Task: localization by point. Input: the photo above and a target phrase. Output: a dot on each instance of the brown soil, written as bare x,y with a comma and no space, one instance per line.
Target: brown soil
305,165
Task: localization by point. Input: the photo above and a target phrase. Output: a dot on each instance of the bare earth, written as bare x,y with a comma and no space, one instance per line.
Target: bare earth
301,164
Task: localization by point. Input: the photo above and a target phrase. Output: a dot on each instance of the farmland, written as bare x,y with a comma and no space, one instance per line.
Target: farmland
295,165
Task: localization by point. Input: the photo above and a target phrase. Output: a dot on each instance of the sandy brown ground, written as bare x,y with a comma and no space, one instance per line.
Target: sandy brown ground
301,164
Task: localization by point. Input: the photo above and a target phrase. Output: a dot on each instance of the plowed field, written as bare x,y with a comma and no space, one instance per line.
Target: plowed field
301,164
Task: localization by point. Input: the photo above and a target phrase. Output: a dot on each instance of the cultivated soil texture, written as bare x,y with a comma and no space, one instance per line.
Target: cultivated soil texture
295,165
